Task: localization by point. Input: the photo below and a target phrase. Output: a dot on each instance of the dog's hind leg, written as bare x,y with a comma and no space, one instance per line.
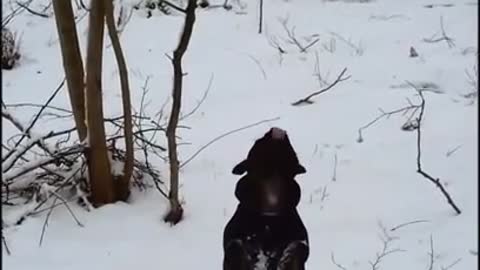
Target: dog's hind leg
236,256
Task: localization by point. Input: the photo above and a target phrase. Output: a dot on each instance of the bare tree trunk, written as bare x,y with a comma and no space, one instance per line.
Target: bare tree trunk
72,62
101,181
122,187
176,211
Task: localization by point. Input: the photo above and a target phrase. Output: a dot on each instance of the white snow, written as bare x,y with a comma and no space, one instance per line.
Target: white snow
376,180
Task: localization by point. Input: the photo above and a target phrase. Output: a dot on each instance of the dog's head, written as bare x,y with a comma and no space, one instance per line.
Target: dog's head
271,154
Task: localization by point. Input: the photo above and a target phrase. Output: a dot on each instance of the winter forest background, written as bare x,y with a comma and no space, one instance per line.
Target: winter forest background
122,121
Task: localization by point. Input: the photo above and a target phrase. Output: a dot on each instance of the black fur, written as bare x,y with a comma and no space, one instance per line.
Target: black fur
266,219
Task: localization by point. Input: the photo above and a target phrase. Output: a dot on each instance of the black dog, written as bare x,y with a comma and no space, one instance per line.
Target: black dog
266,228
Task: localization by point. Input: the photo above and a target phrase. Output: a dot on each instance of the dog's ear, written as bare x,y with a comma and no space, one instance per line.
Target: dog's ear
240,168
301,169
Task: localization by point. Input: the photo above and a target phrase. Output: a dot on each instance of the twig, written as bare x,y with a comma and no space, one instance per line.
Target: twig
26,132
316,72
68,208
177,8
293,39
413,108
205,94
435,181
451,265
45,223
357,49
4,241
450,152
273,41
259,66
431,254
27,8
407,223
224,135
444,36
332,257
386,240
334,177
307,100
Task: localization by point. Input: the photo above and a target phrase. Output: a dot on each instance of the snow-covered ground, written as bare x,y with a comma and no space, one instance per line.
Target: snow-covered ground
376,180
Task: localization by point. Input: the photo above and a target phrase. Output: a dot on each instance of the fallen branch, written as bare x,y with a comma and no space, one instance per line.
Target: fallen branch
224,135
435,181
307,100
413,108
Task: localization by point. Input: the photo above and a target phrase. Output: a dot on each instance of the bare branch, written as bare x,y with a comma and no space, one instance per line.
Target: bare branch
387,240
358,49
45,223
4,242
443,36
332,257
306,100
334,177
450,152
177,8
435,181
408,223
224,135
431,254
451,265
259,66
410,108
201,100
292,37
26,131
27,8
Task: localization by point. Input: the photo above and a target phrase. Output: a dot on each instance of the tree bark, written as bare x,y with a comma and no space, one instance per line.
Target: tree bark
72,62
176,211
101,181
122,187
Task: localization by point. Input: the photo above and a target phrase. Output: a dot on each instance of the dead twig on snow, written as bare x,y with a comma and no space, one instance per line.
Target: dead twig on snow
307,100
435,181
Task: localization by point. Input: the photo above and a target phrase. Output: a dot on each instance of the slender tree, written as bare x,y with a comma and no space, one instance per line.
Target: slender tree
176,211
100,176
122,186
72,62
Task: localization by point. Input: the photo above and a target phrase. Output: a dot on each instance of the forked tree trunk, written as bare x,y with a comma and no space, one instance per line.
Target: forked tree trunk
176,211
72,62
101,181
122,186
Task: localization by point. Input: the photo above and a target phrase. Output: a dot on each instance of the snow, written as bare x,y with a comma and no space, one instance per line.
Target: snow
376,180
